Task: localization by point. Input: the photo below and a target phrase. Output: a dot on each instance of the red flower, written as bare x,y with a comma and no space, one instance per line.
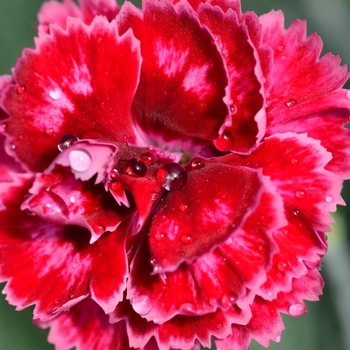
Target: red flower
169,173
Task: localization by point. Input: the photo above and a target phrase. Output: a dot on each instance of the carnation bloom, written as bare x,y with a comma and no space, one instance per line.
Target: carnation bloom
167,173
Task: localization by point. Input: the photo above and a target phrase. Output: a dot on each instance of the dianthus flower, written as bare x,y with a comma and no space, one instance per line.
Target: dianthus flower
167,173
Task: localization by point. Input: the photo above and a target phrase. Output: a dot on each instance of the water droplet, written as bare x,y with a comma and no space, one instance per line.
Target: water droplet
227,301
114,175
66,310
269,293
66,141
300,194
213,302
21,89
267,104
99,40
55,94
135,167
153,261
298,309
197,163
183,207
160,236
13,146
348,94
296,212
219,325
154,196
291,102
280,48
328,199
224,52
232,107
282,266
172,176
49,132
79,160
149,158
294,161
156,320
20,137
188,309
283,57
186,239
99,228
225,142
278,338
141,304
72,199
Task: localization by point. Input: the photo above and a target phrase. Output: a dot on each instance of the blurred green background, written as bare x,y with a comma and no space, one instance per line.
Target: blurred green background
327,324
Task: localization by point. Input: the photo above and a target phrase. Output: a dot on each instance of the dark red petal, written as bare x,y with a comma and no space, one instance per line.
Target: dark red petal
183,78
68,91
54,266
214,203
181,332
59,197
245,102
235,5
86,326
215,280
296,164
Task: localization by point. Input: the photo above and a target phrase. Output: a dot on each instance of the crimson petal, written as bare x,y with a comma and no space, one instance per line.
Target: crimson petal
245,103
183,79
214,203
74,93
43,254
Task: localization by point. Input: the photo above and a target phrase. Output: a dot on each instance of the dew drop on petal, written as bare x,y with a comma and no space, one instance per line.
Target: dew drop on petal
219,325
79,160
49,131
328,199
280,48
282,266
55,94
197,163
172,176
213,302
291,102
135,167
141,304
156,320
294,161
187,239
225,142
149,158
269,293
21,89
278,338
160,236
300,194
99,228
114,175
188,309
348,94
72,199
66,141
30,213
296,212
13,146
183,207
296,310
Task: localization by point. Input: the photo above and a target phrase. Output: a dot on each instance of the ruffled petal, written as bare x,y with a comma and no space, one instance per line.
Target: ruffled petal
296,165
216,280
36,255
245,102
306,95
71,92
193,220
183,79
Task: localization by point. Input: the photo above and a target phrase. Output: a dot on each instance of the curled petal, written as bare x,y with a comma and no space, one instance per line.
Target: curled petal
183,79
195,219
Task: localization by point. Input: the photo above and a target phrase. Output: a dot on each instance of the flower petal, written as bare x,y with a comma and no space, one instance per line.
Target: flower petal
195,219
245,103
72,93
183,78
216,280
42,254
